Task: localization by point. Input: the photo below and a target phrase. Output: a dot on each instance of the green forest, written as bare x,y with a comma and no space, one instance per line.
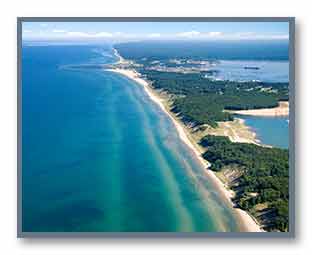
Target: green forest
263,170
258,175
264,173
200,100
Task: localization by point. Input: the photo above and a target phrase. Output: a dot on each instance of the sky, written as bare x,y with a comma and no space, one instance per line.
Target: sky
132,31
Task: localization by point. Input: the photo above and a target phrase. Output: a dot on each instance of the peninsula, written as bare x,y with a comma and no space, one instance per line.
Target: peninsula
205,130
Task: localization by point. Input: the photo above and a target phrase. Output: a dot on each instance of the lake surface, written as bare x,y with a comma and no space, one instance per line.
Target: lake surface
267,71
99,155
272,131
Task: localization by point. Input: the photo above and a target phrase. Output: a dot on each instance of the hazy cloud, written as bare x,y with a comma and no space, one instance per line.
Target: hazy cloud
123,36
255,36
89,35
188,34
215,34
154,35
59,31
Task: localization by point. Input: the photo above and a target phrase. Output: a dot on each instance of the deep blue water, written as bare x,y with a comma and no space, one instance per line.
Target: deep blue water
99,155
276,50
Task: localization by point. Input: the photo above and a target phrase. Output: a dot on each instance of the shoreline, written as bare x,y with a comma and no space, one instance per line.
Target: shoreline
246,222
121,60
281,110
237,137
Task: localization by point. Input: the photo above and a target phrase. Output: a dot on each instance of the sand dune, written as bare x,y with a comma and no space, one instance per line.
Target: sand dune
281,110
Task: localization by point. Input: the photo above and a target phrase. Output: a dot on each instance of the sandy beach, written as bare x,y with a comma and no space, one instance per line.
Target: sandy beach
246,222
281,110
121,60
236,131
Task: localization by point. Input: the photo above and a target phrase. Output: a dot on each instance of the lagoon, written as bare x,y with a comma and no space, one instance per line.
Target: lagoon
261,70
273,131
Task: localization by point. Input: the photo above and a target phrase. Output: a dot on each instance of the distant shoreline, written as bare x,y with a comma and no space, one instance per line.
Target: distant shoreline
246,222
281,110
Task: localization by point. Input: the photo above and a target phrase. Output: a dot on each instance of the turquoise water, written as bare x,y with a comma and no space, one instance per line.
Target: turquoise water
99,155
272,131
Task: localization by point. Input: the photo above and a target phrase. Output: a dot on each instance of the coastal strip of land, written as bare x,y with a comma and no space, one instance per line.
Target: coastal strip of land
246,222
281,110
237,131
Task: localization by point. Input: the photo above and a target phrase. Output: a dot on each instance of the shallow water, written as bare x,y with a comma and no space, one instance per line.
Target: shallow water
99,155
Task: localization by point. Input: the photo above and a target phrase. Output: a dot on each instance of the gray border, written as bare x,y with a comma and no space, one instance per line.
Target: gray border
290,234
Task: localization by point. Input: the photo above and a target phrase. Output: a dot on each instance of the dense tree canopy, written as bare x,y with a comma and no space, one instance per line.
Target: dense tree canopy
265,173
262,177
201,100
